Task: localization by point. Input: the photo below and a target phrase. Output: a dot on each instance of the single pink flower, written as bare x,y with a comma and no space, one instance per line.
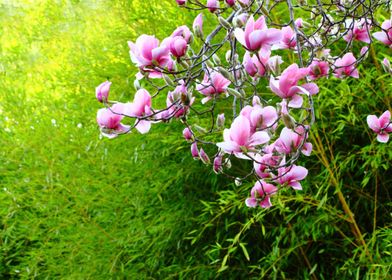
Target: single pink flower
178,46
187,133
288,40
287,86
213,83
289,141
140,108
299,23
182,31
345,66
262,118
260,195
359,30
198,25
318,69
256,65
264,163
291,176
239,138
109,120
257,36
382,126
179,101
102,91
146,54
212,5
385,36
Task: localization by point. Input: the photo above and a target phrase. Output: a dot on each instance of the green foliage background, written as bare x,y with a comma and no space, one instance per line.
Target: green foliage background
74,206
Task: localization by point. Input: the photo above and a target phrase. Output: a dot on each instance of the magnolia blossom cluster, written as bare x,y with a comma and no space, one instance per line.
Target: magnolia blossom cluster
259,98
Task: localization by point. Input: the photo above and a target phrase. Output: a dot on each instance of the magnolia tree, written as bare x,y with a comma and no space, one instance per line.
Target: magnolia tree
243,82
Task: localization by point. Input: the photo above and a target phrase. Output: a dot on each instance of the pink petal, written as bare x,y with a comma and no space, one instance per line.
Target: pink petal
229,146
384,119
240,36
240,130
383,138
251,202
298,173
296,101
312,88
259,138
373,123
143,126
295,185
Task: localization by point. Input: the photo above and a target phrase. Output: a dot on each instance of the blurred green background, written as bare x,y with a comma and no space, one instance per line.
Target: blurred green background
74,206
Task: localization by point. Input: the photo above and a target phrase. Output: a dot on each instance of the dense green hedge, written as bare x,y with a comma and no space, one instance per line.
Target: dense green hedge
74,206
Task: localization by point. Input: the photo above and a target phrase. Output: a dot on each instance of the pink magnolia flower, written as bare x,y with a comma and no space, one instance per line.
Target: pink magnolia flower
146,53
382,126
299,23
359,30
179,101
212,5
217,166
181,2
239,138
182,31
187,133
318,69
257,36
213,83
256,65
289,141
109,120
262,118
288,41
260,195
263,163
291,176
345,66
198,25
204,157
230,3
194,151
140,108
287,86
178,46
386,64
385,36
102,91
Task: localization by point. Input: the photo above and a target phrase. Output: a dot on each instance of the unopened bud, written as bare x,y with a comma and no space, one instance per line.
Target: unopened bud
234,92
224,23
204,157
228,56
217,167
216,59
136,84
288,121
184,64
168,81
200,129
225,73
220,121
238,182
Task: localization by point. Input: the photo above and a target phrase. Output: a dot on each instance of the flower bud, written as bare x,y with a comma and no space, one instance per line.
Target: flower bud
181,2
386,65
187,133
168,81
136,84
225,73
194,151
212,5
234,92
288,121
228,56
216,59
102,91
230,3
220,121
217,167
204,157
198,26
224,23
256,101
238,182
